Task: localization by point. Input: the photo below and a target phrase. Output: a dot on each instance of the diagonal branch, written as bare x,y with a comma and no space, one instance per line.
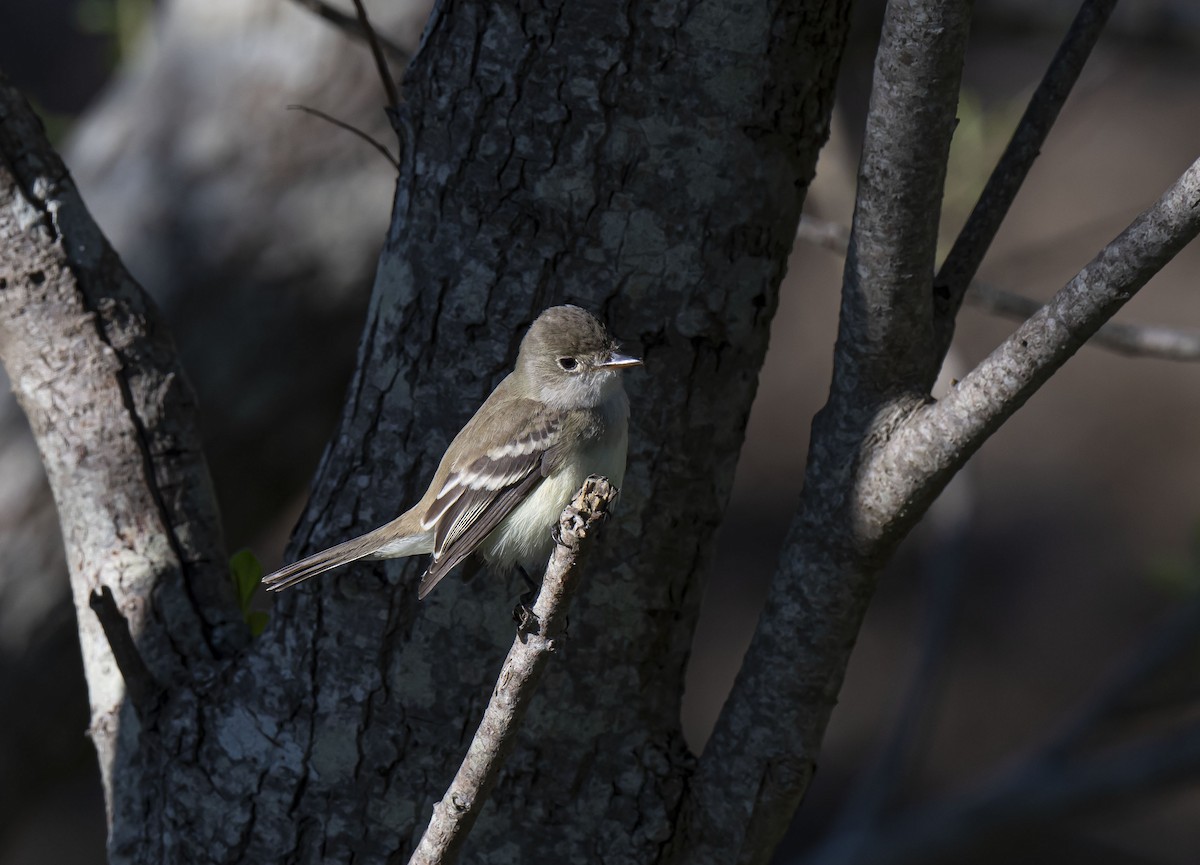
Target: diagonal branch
1038,793
940,438
381,64
963,261
1132,340
454,816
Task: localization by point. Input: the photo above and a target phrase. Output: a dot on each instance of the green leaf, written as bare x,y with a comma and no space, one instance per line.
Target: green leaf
247,574
257,620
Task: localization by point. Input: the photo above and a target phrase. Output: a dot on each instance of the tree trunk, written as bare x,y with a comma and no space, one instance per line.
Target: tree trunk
650,164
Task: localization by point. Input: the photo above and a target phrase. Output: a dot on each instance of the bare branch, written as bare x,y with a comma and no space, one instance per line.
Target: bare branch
1036,794
749,784
115,424
997,197
341,124
352,26
944,435
144,692
454,816
381,64
1132,340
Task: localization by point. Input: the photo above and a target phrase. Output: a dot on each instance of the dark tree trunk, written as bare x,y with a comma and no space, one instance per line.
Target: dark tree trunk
648,162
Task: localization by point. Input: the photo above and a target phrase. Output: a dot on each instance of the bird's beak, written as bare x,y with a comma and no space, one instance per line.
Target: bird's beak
620,361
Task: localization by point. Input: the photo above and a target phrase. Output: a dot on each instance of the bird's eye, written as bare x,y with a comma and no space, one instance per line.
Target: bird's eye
568,363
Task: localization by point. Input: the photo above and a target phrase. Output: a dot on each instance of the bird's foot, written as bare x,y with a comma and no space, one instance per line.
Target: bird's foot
526,619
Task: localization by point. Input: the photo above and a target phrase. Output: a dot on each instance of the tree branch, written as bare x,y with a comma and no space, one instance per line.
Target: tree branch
454,816
115,424
143,691
941,437
962,263
1038,793
381,64
761,757
1132,340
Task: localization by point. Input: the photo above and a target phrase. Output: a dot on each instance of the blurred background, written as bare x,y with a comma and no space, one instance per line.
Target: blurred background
1038,626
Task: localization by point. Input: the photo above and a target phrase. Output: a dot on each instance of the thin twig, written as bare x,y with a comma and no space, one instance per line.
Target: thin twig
1132,340
454,816
385,74
997,197
341,124
351,26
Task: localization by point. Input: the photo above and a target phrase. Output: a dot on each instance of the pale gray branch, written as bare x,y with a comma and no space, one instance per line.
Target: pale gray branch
1132,340
536,641
943,435
116,428
762,754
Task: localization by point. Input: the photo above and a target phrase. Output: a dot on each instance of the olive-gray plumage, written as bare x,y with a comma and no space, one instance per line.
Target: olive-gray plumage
559,416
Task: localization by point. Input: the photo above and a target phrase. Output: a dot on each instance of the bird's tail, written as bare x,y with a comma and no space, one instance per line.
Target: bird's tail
377,544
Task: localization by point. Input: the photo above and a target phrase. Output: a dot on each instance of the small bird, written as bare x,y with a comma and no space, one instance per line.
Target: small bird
559,416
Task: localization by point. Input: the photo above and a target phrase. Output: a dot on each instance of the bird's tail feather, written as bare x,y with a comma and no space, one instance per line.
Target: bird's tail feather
319,563
374,544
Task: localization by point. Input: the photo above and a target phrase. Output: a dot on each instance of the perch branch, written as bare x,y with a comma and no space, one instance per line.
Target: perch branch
454,816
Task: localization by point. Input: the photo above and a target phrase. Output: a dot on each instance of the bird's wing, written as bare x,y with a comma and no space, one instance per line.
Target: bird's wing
477,497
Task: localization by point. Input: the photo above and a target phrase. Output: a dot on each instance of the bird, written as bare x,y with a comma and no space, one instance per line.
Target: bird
561,415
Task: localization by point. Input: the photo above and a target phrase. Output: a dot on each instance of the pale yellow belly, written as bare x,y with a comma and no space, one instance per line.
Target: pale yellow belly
524,537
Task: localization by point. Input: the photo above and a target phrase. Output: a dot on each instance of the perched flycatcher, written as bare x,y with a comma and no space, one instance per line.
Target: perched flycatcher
560,416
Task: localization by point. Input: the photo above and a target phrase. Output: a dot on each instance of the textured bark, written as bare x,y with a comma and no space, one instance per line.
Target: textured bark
115,424
762,754
218,201
649,165
648,162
